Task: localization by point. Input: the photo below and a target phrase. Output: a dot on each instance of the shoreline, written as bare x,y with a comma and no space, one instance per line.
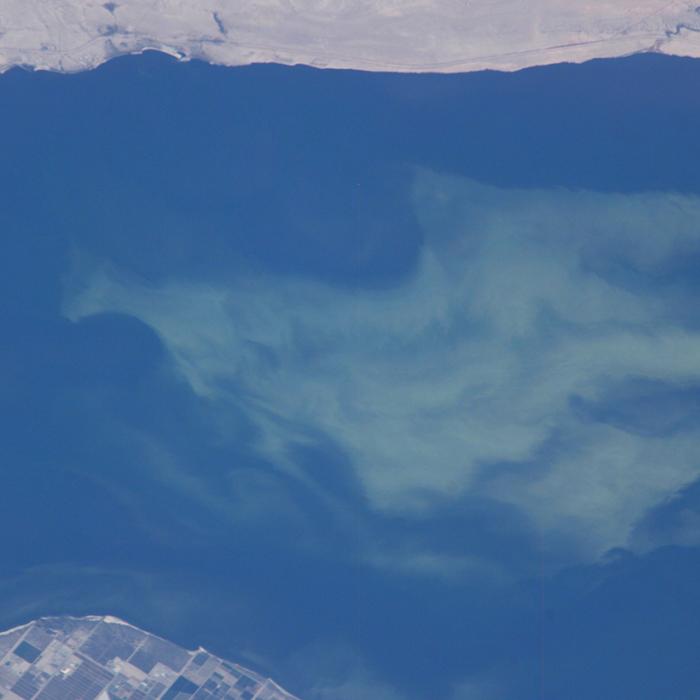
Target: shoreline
379,38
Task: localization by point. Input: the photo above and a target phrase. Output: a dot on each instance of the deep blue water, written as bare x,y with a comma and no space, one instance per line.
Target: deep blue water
195,174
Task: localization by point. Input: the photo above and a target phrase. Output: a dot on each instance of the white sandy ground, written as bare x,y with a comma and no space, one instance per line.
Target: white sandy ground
388,35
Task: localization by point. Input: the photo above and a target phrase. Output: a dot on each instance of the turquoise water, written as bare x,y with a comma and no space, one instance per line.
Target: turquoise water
221,291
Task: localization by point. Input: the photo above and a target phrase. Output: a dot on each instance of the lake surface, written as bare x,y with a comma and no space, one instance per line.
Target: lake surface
383,385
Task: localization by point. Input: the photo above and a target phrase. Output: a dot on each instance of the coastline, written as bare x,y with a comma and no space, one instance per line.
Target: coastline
380,38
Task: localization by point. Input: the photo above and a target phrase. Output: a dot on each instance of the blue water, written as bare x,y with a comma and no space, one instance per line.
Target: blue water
198,174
